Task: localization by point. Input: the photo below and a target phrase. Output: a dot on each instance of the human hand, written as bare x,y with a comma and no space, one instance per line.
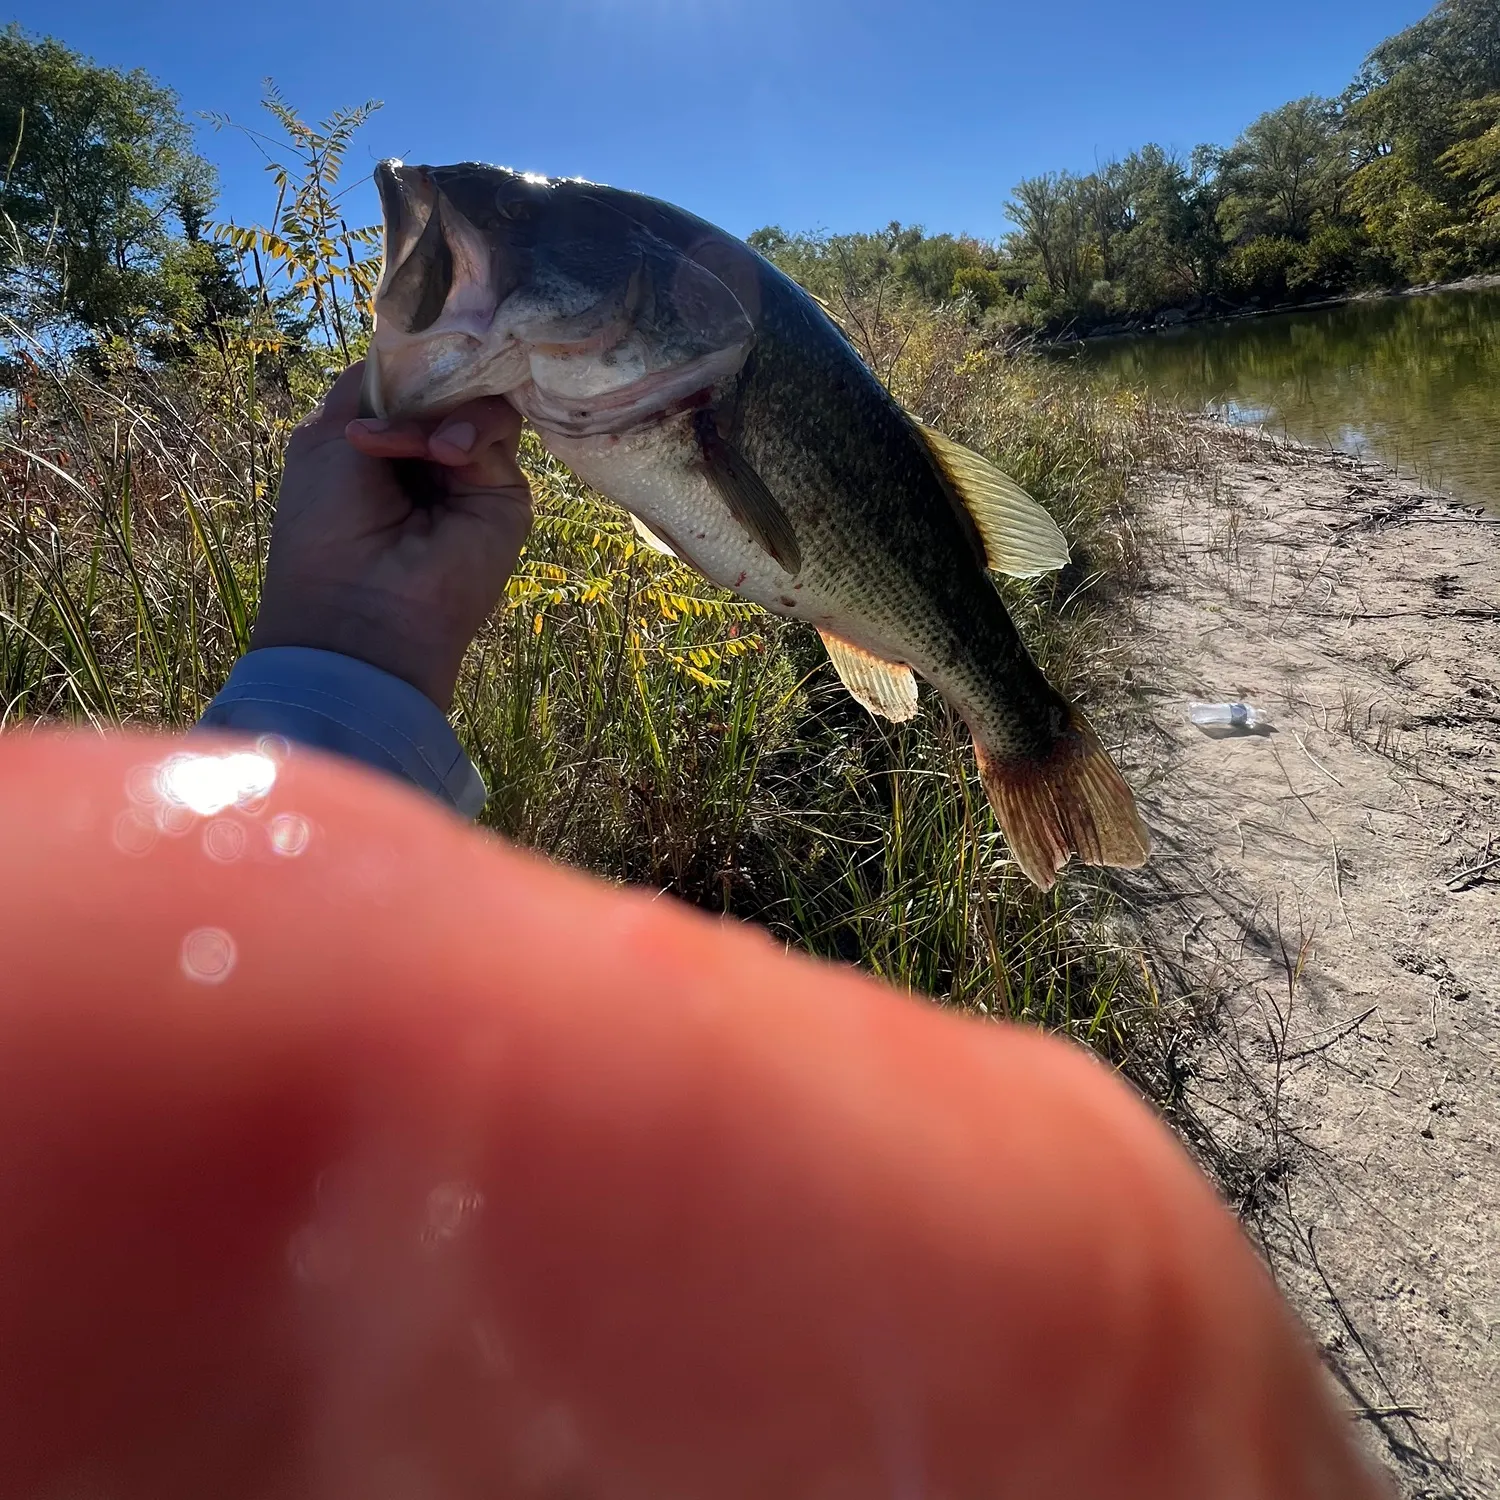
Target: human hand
356,566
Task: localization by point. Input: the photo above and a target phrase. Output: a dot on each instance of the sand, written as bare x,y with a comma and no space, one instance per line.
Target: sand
1328,896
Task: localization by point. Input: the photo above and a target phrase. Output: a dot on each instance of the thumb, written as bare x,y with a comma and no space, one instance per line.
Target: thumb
478,442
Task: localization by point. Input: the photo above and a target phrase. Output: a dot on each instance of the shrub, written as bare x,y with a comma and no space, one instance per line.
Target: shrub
1261,269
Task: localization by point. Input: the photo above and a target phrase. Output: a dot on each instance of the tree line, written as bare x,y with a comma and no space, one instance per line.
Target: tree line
1396,182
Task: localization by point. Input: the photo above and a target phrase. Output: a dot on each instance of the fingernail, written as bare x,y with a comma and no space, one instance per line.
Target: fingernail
460,435
370,424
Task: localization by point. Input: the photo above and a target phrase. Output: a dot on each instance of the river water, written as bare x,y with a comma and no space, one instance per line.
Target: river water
1411,381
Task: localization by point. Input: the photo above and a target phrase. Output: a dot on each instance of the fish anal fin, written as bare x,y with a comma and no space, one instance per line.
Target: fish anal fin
649,537
1073,802
746,495
1019,537
887,688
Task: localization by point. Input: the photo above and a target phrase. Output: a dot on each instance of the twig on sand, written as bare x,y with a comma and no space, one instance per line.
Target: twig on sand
1338,883
1486,862
1197,923
1301,745
1337,1037
1300,796
1416,1447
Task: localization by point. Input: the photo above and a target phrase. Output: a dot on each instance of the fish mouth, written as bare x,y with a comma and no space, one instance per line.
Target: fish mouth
408,196
500,283
433,345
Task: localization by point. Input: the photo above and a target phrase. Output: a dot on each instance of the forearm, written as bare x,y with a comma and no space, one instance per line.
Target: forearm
332,702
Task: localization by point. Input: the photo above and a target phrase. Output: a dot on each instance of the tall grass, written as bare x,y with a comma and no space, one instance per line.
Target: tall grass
627,716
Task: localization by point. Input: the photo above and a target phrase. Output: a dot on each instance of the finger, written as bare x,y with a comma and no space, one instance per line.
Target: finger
355,1144
381,438
480,439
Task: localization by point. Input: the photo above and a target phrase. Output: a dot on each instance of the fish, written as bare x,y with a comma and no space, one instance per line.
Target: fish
688,380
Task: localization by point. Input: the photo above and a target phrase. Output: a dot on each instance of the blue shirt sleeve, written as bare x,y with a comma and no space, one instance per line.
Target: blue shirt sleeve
333,702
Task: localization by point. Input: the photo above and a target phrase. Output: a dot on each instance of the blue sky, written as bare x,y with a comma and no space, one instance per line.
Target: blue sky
831,114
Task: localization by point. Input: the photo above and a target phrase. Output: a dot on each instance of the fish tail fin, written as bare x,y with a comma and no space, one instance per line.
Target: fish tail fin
1074,801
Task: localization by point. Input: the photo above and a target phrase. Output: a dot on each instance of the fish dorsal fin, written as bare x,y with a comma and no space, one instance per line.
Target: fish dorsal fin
828,312
649,537
884,687
1020,538
746,495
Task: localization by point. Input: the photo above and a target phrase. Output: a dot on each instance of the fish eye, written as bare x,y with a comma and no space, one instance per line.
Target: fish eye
514,208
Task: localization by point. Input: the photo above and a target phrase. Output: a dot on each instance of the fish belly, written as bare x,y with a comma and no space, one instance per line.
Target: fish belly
655,473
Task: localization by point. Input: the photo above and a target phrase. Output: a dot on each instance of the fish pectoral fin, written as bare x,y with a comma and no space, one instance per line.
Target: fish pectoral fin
887,688
748,499
1020,538
649,537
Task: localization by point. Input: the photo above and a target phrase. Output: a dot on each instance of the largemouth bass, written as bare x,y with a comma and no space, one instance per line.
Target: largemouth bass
687,379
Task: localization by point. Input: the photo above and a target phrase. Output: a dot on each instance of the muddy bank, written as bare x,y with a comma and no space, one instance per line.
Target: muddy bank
1329,895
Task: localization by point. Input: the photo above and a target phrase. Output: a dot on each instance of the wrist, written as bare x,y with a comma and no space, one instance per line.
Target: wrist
368,631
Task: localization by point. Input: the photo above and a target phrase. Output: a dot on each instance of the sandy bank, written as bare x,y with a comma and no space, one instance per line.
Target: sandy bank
1330,893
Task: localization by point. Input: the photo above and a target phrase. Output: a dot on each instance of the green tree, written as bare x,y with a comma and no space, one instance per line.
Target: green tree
1261,269
1288,171
1108,214
901,261
101,183
937,268
984,286
1452,54
1051,233
1474,160
1418,112
1335,260
1173,249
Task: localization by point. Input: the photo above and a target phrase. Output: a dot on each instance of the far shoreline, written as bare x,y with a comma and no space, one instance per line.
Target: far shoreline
1141,327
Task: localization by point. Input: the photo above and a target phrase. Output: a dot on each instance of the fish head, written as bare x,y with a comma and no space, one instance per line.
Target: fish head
590,308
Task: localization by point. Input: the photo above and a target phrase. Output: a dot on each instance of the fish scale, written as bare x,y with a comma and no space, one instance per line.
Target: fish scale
684,377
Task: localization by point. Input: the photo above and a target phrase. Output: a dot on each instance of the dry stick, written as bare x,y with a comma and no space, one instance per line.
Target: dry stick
1337,1037
1338,884
1338,878
1307,806
1463,876
1301,745
1198,922
1427,614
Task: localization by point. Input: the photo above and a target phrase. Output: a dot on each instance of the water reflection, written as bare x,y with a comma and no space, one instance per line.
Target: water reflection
1412,381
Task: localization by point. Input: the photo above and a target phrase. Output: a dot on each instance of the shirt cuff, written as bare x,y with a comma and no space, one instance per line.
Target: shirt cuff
328,701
